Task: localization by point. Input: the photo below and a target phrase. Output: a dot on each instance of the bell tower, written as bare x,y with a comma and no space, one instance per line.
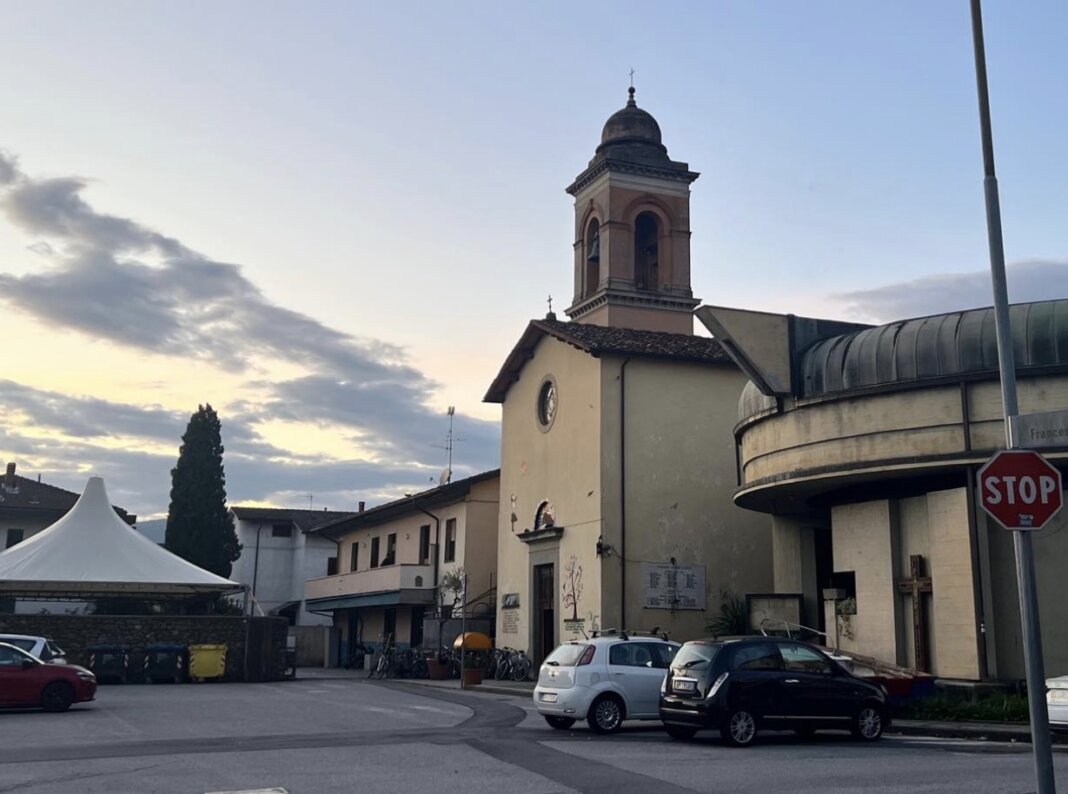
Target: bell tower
632,230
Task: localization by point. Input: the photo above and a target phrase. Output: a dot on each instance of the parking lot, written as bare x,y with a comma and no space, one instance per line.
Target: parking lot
344,734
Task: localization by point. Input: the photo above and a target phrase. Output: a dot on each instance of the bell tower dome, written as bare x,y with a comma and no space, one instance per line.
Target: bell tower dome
632,230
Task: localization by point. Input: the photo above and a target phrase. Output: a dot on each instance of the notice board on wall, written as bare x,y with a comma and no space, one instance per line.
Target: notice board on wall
668,586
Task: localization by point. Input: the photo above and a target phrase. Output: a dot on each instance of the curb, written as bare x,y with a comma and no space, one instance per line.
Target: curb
990,732
502,690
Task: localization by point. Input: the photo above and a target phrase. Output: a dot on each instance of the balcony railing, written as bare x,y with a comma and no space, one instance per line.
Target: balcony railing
376,580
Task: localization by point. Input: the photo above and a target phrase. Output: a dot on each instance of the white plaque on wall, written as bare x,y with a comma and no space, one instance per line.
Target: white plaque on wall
667,586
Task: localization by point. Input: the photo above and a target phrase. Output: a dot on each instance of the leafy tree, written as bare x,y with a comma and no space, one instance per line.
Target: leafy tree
199,527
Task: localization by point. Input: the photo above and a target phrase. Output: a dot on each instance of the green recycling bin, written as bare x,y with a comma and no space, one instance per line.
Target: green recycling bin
207,661
166,664
109,663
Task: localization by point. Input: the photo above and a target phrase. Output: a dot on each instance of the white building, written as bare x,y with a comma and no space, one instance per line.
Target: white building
278,555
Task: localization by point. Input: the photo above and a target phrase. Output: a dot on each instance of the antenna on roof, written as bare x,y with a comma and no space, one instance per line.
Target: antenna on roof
450,440
311,499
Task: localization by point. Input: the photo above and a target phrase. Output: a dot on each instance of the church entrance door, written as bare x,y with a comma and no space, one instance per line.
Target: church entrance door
544,612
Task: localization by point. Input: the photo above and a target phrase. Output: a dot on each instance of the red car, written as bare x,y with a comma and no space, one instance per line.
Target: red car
26,681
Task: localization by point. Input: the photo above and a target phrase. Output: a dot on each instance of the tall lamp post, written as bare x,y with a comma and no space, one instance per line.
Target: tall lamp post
1025,561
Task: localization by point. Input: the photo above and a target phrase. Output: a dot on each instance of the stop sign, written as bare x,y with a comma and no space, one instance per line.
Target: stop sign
1020,489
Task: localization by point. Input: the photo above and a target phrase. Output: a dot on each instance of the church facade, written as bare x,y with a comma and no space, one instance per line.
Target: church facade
863,444
617,455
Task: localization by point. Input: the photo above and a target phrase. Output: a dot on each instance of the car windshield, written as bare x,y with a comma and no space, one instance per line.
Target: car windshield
566,655
695,654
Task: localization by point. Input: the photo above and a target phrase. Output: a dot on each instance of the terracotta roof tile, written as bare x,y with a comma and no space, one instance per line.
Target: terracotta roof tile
598,340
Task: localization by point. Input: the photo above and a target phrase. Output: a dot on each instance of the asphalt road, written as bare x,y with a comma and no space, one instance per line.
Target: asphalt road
349,735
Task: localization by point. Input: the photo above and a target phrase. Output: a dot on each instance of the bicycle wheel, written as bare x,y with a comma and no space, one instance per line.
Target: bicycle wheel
500,672
382,668
521,669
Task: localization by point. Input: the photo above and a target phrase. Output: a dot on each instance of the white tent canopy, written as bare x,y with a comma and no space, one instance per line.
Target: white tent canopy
92,550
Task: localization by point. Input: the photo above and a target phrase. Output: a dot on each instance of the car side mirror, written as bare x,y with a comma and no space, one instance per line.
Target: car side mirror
28,664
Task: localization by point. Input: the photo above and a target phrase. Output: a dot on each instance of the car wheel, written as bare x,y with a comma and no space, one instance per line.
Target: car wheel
57,697
606,714
559,723
868,723
680,732
739,729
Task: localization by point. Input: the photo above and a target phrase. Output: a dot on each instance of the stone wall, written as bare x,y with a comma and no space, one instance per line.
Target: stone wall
75,633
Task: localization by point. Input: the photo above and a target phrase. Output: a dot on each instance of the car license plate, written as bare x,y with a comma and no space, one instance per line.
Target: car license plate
548,697
1060,695
684,686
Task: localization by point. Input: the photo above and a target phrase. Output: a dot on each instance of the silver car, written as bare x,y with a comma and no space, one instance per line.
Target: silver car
42,647
604,680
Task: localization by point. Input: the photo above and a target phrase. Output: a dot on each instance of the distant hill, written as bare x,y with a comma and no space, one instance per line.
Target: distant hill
153,530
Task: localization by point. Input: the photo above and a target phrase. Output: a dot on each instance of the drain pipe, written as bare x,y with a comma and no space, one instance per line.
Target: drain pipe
623,494
437,565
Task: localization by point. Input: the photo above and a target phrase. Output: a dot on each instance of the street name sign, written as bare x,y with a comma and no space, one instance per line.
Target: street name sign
1046,429
1020,489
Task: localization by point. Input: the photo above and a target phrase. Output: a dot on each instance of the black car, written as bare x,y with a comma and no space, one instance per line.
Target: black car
741,686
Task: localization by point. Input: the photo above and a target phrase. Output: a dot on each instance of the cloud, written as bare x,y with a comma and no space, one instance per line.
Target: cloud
9,171
139,479
171,300
112,278
1030,280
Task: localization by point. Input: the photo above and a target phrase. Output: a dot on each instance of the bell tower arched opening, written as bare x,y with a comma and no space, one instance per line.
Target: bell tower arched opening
593,256
646,252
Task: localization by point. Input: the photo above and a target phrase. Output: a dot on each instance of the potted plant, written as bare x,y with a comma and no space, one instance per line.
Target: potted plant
474,667
450,589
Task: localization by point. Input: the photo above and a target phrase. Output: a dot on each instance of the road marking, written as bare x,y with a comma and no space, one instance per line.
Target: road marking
252,791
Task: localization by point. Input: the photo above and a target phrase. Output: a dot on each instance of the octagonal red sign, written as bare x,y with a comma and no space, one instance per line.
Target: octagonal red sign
1020,489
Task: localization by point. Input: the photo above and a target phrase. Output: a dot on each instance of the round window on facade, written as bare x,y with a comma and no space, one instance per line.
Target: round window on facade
548,402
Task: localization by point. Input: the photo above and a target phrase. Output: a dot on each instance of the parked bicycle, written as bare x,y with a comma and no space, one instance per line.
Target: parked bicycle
510,663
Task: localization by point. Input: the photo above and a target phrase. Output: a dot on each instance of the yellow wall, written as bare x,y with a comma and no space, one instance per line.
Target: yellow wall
680,477
561,465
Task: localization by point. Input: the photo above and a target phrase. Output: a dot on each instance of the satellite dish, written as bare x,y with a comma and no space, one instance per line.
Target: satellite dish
446,477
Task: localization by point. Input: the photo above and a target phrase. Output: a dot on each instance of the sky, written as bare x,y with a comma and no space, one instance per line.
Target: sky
333,220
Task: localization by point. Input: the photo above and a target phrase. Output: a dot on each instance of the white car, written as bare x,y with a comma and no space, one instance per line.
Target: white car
41,647
614,676
1057,701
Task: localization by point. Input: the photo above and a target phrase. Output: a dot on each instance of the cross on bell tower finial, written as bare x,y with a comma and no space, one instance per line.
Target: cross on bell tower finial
630,91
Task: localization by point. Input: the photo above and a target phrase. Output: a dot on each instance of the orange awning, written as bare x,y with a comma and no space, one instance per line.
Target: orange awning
473,641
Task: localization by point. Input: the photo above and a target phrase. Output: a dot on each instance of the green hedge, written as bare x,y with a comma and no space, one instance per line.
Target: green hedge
994,708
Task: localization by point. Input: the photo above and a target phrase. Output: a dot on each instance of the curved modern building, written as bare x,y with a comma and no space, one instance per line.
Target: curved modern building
863,443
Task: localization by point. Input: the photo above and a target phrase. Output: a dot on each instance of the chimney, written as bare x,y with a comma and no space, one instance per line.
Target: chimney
9,478
361,507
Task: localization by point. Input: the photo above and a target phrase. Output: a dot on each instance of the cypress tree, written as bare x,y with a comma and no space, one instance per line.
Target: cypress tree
199,527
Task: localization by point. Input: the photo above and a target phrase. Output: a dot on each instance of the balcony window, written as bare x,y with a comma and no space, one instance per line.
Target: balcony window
450,540
424,544
374,552
354,556
331,566
391,549
281,530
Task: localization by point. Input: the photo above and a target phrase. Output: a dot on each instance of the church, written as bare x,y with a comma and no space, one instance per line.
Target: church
618,461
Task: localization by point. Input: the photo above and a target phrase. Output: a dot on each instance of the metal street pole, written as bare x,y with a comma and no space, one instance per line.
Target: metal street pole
1025,561
463,633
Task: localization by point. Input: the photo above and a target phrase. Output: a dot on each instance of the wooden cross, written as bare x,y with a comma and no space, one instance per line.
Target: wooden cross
550,304
916,585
